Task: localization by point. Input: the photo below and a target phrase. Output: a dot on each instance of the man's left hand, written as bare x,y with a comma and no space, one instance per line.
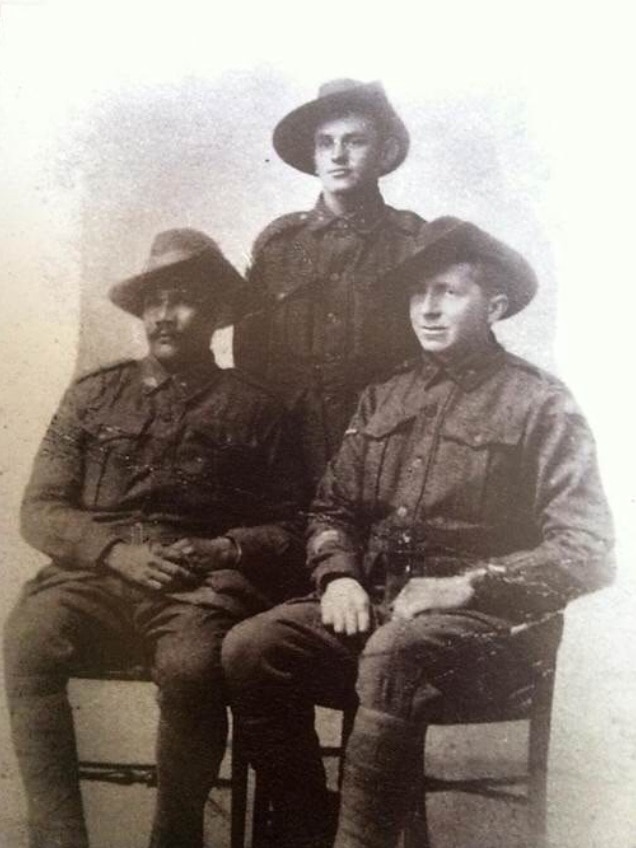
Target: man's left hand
202,555
432,593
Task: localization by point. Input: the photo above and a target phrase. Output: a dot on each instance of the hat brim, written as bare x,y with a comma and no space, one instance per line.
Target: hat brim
215,281
449,241
294,136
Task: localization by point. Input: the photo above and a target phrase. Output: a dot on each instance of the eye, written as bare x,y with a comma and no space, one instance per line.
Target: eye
357,141
323,142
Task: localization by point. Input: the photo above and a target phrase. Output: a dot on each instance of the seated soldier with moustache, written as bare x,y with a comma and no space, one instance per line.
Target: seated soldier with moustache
462,513
166,494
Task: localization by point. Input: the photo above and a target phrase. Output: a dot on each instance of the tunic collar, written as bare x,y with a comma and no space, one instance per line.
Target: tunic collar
188,382
363,219
469,372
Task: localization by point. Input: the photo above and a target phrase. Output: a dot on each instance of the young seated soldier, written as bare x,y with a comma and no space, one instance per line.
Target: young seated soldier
165,494
462,513
317,329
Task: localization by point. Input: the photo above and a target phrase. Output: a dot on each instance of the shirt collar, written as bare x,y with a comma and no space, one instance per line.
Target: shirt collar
363,219
188,382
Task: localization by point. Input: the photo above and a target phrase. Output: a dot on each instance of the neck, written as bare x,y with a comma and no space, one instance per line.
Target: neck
184,363
342,203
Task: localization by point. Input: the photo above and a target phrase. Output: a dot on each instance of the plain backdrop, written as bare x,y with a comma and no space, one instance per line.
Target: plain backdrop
119,120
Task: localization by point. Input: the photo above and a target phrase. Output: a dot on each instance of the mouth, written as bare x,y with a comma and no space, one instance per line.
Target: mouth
433,330
339,172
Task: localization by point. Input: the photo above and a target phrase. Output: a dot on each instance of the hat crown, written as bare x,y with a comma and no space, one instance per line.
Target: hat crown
339,86
185,241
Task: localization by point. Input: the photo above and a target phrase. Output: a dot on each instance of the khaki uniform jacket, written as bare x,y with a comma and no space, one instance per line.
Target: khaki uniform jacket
320,325
445,471
134,454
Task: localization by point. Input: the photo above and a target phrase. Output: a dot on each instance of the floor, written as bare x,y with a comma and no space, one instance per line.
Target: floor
592,771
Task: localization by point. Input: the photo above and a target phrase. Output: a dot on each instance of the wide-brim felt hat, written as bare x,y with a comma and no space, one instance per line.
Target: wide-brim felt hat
294,136
194,261
448,241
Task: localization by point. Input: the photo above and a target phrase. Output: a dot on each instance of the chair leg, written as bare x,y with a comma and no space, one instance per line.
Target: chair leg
238,802
416,833
538,750
261,816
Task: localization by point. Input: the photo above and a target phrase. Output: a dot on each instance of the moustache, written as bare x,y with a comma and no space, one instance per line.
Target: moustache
163,330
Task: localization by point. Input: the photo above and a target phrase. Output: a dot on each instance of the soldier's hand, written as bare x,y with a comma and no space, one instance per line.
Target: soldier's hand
203,555
345,606
145,566
432,593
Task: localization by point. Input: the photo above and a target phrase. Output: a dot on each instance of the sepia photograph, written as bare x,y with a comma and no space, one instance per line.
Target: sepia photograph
316,460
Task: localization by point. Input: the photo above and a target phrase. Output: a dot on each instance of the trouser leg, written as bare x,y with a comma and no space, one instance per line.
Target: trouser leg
192,732
50,628
406,668
278,665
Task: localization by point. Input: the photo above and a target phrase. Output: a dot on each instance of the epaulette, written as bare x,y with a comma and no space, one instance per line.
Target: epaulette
530,368
292,220
104,369
408,221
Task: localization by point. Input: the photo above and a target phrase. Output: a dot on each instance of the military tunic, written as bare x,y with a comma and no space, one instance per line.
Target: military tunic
320,325
443,470
134,454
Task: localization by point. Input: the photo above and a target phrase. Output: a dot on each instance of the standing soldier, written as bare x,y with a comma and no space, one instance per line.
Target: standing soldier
164,494
317,327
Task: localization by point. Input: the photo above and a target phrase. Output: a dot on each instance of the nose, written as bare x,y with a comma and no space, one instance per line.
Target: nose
164,312
339,151
430,304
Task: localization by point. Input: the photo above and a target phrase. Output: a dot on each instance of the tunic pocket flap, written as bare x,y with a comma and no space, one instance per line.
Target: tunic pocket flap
480,434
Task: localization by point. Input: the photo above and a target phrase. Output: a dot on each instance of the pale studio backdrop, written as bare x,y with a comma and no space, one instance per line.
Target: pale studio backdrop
128,124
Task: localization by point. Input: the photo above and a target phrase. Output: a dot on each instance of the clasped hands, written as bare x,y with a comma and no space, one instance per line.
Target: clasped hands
173,567
346,607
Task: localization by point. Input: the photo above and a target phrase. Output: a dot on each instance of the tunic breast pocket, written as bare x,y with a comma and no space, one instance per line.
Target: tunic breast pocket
113,461
477,476
218,459
292,323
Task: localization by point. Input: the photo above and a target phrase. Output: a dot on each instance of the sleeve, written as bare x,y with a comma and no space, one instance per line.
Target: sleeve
251,332
570,511
272,547
52,518
338,527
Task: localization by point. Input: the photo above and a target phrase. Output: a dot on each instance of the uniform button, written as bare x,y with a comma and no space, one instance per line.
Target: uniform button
280,296
402,511
416,462
303,216
331,316
334,277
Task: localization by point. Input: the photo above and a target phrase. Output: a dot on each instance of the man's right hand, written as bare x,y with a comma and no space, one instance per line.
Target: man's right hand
140,564
345,606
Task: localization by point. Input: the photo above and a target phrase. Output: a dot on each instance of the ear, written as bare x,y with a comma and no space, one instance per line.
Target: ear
389,153
497,307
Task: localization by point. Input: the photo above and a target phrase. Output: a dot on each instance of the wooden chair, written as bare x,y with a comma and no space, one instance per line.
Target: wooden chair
528,788
145,773
531,703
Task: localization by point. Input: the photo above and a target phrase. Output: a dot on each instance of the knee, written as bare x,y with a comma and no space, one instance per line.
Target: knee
393,670
188,670
37,654
244,654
